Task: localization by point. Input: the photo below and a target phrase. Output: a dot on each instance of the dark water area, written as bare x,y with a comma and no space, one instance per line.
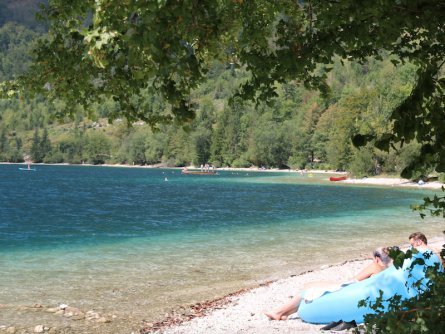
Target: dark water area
57,205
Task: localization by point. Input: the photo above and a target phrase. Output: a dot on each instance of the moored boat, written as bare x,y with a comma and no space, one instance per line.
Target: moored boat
338,178
195,172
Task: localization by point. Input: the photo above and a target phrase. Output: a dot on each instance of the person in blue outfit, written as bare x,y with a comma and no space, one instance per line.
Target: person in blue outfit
381,261
419,241
409,281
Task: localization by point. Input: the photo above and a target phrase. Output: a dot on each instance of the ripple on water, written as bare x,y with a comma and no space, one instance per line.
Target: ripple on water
125,243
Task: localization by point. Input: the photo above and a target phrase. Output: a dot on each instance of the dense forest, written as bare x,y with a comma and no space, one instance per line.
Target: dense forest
298,129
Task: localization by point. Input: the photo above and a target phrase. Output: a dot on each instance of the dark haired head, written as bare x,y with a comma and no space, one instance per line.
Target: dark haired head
418,236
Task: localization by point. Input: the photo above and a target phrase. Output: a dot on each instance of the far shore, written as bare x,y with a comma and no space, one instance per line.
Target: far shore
389,181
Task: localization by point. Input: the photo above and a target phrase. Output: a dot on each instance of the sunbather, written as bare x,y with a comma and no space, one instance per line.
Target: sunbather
380,262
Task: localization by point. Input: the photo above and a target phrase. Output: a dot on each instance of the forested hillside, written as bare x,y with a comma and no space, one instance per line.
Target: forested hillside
22,12
299,129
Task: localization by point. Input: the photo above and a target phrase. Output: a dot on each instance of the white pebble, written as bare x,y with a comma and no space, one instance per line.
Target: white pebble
39,329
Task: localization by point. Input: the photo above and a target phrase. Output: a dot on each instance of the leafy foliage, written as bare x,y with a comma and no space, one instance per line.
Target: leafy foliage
107,49
425,314
297,129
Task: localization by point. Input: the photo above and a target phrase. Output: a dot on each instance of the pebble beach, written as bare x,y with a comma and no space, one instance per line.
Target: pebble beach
244,313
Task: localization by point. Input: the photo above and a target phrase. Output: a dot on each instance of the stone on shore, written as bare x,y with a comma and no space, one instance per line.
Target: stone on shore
39,329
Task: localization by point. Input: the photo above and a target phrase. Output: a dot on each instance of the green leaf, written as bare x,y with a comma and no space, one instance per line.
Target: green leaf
361,140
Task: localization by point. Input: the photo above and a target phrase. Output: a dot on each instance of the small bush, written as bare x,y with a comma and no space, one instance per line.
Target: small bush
241,163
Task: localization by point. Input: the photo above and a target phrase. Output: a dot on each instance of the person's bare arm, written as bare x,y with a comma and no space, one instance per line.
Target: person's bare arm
366,272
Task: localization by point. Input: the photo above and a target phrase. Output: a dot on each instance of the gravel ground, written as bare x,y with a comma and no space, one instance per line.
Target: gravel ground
244,314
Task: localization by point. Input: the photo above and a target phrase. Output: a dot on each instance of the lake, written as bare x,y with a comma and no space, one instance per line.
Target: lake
135,243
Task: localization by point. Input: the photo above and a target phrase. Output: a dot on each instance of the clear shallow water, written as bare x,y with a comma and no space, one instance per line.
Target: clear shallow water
126,242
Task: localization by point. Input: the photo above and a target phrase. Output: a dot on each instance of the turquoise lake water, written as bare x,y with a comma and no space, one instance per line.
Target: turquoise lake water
128,243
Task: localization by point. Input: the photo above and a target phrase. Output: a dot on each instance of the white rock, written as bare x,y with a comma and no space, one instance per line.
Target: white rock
73,311
11,330
92,315
52,309
39,329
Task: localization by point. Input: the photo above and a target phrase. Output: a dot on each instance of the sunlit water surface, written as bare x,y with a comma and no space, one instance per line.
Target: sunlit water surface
135,243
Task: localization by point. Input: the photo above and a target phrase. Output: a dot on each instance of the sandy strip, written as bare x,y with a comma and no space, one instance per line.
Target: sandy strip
243,313
394,182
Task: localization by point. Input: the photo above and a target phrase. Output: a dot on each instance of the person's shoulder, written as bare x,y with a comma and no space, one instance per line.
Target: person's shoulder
376,268
427,252
424,250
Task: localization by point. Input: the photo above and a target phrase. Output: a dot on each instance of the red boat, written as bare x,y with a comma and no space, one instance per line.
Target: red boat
338,178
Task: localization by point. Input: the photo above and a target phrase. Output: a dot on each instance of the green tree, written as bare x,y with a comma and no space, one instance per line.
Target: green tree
71,146
270,147
363,162
156,147
322,134
97,147
16,152
45,144
229,136
302,140
36,148
4,145
345,124
202,141
136,148
275,40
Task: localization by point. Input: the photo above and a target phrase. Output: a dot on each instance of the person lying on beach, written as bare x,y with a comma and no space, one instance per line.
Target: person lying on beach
381,261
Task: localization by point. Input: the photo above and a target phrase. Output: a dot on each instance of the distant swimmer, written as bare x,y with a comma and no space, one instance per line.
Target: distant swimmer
165,179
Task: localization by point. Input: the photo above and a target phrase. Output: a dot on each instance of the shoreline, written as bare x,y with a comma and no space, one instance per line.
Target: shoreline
387,181
394,182
176,322
243,311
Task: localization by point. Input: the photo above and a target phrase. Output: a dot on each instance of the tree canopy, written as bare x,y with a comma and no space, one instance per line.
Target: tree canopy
120,49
